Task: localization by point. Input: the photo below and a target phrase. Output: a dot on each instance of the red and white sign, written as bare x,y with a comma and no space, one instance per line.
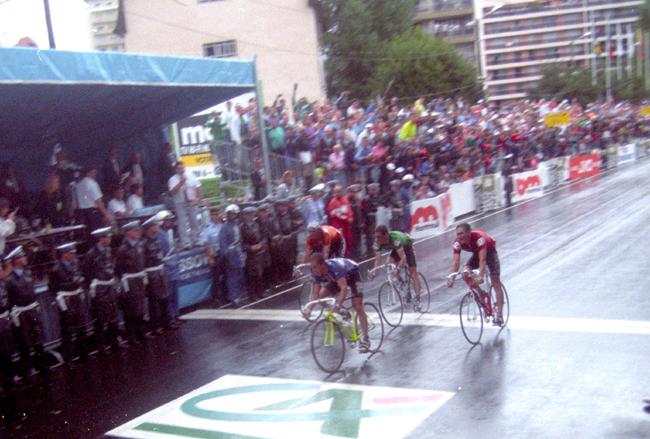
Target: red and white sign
529,184
584,166
431,216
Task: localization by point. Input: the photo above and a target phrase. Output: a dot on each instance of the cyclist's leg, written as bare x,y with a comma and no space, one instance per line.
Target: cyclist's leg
492,261
471,264
413,270
357,302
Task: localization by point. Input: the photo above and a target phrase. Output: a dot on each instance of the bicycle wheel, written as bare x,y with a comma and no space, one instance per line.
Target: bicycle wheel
390,304
505,312
303,299
375,326
471,318
425,295
327,345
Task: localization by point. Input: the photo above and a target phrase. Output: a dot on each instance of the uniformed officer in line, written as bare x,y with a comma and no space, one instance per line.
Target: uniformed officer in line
129,267
395,203
358,223
257,255
7,345
157,288
25,312
271,235
66,282
233,255
288,245
215,257
314,209
371,204
168,242
103,290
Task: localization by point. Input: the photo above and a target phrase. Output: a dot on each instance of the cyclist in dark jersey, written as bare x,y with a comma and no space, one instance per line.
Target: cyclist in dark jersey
334,276
484,254
401,253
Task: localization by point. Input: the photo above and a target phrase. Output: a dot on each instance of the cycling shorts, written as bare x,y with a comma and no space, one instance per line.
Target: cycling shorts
410,256
337,249
491,260
354,283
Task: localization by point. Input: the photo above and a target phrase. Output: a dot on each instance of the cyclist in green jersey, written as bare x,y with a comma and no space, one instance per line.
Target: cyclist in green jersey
401,253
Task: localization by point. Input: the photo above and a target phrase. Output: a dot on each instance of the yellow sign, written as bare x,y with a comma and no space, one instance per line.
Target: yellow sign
197,160
557,119
645,111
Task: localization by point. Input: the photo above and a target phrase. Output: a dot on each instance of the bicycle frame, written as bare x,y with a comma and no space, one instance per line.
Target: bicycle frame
482,297
327,304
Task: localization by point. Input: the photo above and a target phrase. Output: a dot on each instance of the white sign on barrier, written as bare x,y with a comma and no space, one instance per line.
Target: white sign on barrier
626,153
529,184
431,216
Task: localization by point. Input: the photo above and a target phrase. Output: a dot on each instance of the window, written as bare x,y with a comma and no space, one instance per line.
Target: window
549,21
497,42
223,49
549,37
572,18
573,34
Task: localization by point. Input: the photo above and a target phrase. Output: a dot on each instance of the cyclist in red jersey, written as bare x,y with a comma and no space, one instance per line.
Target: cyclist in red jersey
324,239
484,250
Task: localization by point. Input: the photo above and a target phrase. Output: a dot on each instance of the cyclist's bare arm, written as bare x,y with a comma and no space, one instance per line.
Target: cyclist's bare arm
307,253
326,251
371,275
454,269
482,262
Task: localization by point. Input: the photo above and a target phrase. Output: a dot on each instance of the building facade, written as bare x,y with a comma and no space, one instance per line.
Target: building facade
282,34
103,19
512,40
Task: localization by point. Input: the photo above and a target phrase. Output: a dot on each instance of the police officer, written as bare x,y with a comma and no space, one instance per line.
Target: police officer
257,255
395,204
371,204
157,288
270,237
167,240
7,345
103,290
215,257
358,223
287,249
129,267
66,281
407,196
233,256
25,311
314,209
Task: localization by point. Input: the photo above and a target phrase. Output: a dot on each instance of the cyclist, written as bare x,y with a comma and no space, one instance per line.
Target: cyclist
334,276
324,239
401,253
484,249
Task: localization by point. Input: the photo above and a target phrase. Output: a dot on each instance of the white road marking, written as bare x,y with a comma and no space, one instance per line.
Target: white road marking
554,324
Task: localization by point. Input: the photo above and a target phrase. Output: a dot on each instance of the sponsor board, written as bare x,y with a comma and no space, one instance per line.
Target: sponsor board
529,184
557,119
584,166
431,216
194,146
626,153
237,406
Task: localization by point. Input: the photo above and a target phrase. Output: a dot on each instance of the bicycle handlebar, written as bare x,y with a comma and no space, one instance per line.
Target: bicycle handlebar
469,272
390,267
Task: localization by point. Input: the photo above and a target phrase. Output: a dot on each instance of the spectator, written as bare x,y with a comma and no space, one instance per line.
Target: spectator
111,170
135,201
286,187
259,180
91,209
341,216
336,164
52,203
135,169
7,223
186,192
117,207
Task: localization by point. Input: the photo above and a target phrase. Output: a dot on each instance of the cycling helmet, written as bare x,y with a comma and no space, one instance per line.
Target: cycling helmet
313,226
232,208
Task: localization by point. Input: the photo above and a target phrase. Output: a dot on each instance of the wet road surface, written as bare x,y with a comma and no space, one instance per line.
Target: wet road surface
573,361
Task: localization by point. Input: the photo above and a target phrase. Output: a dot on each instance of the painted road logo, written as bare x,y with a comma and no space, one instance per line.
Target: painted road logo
271,408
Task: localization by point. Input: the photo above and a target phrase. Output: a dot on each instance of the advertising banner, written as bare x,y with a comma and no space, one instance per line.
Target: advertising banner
489,196
431,216
626,153
557,119
194,146
584,166
529,184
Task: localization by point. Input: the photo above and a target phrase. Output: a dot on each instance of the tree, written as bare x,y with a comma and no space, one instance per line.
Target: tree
566,83
644,16
355,33
420,65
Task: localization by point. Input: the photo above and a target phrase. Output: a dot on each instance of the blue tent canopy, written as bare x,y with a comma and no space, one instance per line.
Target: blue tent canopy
88,101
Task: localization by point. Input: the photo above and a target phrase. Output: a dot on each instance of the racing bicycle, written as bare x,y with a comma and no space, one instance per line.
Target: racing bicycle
395,294
331,333
477,305
305,295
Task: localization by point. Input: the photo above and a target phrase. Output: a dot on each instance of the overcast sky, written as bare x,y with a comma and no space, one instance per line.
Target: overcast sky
26,18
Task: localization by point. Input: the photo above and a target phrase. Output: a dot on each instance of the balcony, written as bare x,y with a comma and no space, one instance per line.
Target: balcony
429,6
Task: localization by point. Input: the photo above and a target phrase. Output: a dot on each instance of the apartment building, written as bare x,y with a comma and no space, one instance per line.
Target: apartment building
512,40
282,34
103,19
